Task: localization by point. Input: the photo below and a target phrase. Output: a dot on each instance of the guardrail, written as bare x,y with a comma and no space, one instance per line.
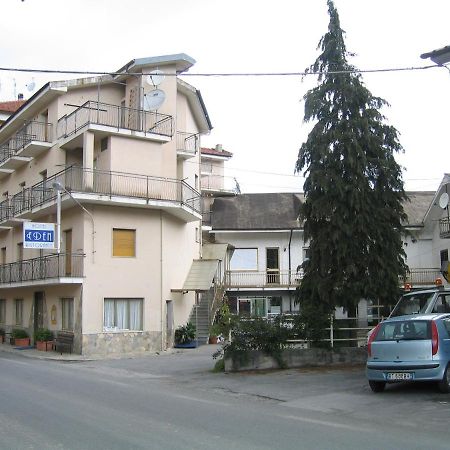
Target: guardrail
98,113
219,183
261,278
444,227
41,268
187,142
420,277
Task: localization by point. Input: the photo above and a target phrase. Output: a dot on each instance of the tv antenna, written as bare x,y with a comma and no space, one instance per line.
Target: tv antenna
155,77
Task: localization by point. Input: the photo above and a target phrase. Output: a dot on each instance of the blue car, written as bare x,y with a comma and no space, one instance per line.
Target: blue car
412,347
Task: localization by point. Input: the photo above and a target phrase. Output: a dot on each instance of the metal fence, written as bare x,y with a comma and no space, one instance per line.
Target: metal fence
425,276
41,268
114,116
79,179
219,183
31,131
261,278
444,227
187,142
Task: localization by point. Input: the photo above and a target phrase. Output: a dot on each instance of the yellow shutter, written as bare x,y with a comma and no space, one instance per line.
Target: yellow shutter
124,242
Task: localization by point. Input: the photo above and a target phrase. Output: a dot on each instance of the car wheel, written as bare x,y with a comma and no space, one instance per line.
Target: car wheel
377,386
444,384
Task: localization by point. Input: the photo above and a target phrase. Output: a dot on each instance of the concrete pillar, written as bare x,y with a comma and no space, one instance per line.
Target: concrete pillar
88,160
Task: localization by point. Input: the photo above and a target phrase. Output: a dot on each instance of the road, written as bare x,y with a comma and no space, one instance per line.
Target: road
174,401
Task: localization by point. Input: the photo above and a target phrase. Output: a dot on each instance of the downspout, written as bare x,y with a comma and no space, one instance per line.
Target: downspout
289,256
161,277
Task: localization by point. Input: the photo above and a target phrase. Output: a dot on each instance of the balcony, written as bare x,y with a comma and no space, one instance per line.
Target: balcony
109,119
105,187
421,277
52,269
187,144
218,184
261,279
30,141
444,228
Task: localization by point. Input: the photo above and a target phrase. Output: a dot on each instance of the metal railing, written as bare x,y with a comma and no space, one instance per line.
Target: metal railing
219,183
444,227
115,116
31,131
117,184
41,268
261,279
187,142
425,276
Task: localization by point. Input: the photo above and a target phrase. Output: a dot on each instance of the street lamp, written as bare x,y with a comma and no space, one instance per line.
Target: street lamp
59,188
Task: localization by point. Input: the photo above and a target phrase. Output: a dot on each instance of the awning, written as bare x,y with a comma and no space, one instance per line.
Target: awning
214,251
201,275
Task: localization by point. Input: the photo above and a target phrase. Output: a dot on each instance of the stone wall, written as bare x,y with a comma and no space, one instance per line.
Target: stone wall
294,358
103,344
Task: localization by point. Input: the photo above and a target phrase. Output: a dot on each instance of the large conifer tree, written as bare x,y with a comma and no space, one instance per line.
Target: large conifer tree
354,194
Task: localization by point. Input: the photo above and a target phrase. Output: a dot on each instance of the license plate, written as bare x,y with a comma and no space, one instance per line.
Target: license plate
399,376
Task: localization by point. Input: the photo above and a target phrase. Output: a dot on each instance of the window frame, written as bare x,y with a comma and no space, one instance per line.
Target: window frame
115,328
2,310
240,269
18,306
71,317
133,230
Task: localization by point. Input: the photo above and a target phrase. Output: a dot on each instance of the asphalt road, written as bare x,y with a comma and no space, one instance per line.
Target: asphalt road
174,401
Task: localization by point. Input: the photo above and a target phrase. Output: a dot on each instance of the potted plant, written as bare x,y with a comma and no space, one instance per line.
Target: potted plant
185,336
2,335
20,337
44,339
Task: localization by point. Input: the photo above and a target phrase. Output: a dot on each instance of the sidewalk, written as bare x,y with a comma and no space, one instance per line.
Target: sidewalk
73,357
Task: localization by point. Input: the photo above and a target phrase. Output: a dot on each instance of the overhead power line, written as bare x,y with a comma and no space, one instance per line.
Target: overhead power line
222,74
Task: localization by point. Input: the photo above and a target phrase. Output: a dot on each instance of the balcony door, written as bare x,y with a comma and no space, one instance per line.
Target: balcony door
68,252
272,265
38,318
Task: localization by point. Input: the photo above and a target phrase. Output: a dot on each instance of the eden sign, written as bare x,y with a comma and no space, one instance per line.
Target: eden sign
38,235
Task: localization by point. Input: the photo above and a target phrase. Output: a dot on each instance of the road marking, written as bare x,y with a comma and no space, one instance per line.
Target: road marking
325,423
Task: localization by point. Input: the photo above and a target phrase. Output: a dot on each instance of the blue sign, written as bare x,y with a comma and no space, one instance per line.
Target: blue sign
38,235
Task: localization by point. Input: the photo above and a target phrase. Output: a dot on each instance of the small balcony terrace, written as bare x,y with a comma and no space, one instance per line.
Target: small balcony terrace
28,142
62,268
104,187
112,119
219,184
444,228
270,279
421,277
187,144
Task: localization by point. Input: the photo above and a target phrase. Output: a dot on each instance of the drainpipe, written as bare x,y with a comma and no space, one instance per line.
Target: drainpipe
161,277
289,256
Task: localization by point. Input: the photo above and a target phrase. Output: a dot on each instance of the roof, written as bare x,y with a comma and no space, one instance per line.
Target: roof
269,211
11,106
201,275
439,56
182,61
279,211
214,152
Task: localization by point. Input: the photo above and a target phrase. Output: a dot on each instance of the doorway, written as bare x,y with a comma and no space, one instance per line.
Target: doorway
38,319
272,266
68,252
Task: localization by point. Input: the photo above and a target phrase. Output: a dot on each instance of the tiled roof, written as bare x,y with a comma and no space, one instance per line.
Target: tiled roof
214,152
11,106
272,211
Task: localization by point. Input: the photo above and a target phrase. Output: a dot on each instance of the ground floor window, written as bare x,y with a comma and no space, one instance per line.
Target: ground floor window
2,310
67,314
18,303
256,306
123,314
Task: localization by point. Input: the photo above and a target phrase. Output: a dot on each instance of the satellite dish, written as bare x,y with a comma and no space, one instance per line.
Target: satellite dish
155,77
31,86
443,200
154,99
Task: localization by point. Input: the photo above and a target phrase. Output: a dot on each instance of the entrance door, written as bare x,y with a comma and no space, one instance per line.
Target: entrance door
272,266
68,252
38,320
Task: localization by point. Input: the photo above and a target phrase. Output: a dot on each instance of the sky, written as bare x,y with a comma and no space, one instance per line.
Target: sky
258,119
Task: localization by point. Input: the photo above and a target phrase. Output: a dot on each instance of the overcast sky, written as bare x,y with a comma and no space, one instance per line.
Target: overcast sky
258,119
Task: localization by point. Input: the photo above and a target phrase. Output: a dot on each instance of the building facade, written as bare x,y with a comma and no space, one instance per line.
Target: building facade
122,153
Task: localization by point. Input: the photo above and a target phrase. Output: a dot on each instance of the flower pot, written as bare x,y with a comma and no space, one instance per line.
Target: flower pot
44,346
213,339
22,342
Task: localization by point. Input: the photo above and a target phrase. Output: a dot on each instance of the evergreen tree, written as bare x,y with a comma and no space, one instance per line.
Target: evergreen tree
353,209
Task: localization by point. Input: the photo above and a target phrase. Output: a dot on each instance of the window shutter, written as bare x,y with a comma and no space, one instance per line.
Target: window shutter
124,242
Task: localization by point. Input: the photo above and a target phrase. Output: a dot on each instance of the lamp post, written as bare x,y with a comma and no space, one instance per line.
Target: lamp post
59,188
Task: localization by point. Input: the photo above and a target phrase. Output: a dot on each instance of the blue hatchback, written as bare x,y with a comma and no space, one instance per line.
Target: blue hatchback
410,348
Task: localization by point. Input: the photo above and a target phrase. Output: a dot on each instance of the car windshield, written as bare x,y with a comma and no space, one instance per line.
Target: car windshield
412,304
404,330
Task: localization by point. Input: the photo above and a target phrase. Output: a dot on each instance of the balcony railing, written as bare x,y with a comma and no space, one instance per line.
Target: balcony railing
115,116
187,142
444,228
31,131
421,277
261,279
111,184
49,266
219,183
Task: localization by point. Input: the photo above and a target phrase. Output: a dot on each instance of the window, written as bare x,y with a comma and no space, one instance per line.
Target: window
206,167
244,259
442,304
67,314
103,144
197,234
2,310
404,330
18,304
275,304
124,242
122,314
3,255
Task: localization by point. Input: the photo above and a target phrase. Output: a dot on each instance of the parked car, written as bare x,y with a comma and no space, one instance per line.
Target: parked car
423,302
412,347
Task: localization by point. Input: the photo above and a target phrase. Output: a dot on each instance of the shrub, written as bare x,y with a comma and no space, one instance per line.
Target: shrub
18,333
185,333
43,334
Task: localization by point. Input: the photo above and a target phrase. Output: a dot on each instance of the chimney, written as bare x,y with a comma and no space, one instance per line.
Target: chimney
219,147
19,96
